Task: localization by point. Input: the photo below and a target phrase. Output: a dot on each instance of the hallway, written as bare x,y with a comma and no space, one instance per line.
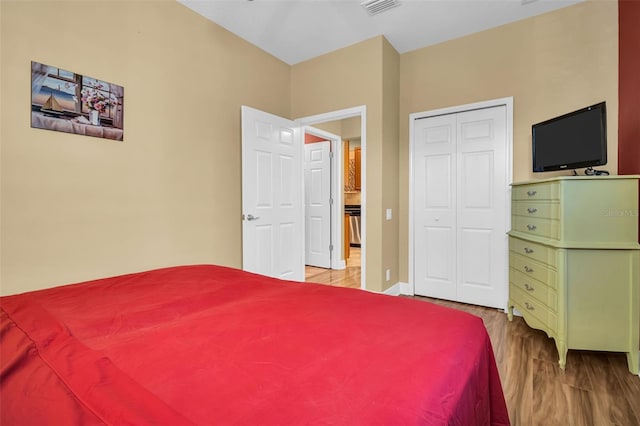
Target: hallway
348,277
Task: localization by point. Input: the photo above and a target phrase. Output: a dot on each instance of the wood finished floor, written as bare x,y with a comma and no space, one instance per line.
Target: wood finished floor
595,389
348,277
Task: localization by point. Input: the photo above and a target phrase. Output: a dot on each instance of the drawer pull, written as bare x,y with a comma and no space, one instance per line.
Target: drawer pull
529,307
532,210
528,250
531,227
531,193
527,269
528,287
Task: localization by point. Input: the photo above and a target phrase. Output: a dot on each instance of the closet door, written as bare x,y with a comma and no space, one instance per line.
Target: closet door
435,162
460,196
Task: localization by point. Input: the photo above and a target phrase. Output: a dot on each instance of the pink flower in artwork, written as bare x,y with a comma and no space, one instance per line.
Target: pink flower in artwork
97,100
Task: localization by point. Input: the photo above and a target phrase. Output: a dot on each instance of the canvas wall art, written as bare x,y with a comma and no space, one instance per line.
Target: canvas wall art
69,102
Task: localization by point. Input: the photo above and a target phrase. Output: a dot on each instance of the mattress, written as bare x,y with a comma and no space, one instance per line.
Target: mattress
207,344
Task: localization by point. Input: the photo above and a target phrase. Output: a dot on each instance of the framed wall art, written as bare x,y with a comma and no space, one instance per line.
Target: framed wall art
65,101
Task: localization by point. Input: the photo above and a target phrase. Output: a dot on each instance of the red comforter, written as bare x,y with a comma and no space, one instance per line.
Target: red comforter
210,345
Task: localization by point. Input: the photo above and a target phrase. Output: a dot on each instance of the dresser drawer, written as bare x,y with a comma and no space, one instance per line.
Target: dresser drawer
539,209
530,306
534,288
536,191
546,228
534,269
539,252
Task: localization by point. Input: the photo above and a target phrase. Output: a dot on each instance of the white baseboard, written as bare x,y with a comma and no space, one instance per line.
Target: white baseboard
338,264
398,289
394,290
406,289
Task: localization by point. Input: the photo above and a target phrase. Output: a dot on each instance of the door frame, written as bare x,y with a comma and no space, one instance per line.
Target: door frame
508,104
359,111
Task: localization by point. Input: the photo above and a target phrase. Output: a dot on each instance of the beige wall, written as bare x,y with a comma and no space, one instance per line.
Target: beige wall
75,207
347,78
351,128
348,128
551,64
390,161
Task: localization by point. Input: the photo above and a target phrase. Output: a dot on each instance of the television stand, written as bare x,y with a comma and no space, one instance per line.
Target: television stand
590,171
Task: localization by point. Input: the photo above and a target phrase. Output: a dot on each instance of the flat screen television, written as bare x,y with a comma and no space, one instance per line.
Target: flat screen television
571,141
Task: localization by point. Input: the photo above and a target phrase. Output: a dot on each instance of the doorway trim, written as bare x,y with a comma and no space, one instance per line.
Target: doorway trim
335,191
359,111
508,103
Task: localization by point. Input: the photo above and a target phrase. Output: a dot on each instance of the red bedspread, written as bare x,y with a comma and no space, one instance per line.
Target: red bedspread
210,345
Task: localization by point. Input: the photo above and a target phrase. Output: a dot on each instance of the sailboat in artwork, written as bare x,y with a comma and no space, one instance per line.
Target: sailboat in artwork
52,106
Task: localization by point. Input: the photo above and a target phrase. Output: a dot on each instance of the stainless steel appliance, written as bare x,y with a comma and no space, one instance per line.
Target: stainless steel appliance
353,210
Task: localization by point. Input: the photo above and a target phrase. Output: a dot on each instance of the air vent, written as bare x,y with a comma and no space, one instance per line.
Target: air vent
373,7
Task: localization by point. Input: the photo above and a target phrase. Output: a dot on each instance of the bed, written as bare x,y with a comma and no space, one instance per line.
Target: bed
205,345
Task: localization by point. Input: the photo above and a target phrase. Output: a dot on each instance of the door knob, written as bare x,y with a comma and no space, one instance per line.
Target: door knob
252,217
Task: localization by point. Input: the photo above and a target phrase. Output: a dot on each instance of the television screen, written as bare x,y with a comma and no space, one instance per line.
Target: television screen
571,141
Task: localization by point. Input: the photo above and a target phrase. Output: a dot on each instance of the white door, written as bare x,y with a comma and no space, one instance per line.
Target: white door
435,169
272,196
317,179
460,206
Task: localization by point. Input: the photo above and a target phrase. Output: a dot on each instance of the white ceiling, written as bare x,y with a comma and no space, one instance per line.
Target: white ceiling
297,30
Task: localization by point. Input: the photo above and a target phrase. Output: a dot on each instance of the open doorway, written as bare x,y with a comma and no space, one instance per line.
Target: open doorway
349,244
334,261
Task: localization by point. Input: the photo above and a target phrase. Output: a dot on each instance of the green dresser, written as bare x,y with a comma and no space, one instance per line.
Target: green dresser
574,262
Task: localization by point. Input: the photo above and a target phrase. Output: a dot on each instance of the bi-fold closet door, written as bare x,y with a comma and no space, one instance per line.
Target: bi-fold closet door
460,196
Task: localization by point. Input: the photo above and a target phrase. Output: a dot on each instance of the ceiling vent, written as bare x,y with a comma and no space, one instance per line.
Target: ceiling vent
373,7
